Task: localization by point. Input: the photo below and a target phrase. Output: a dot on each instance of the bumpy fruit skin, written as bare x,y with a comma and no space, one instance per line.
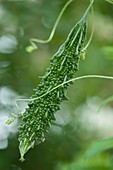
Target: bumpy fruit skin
40,112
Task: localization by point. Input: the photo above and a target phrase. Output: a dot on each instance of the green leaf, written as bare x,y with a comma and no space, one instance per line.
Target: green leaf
98,147
10,120
105,102
108,51
110,1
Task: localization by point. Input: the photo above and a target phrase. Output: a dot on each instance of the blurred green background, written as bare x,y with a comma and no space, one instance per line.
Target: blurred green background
78,123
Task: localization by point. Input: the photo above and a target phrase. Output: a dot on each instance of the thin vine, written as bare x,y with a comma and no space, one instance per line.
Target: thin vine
61,85
33,41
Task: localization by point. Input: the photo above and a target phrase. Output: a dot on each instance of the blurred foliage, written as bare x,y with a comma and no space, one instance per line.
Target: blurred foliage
98,147
72,132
